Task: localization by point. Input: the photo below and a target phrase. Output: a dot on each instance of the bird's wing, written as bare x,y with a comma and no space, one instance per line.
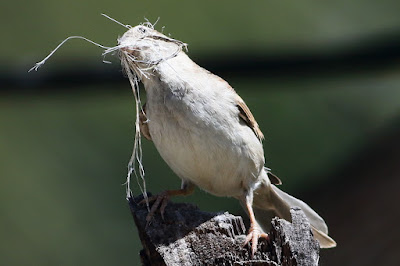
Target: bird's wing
246,115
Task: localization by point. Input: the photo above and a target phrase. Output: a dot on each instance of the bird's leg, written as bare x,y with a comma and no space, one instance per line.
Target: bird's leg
255,231
161,200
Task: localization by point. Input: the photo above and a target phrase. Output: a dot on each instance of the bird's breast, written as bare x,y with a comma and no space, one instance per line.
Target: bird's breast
203,141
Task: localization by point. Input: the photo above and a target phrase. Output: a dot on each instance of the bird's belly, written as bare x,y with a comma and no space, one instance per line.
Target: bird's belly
222,163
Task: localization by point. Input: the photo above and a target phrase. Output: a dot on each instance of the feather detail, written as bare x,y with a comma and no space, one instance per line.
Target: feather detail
246,115
273,178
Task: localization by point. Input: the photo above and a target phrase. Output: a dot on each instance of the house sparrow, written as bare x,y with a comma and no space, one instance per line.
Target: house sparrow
205,132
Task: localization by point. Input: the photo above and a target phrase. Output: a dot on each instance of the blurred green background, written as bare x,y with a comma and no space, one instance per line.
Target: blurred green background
321,77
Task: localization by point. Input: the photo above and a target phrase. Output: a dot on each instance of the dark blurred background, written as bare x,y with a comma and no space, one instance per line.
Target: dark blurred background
321,77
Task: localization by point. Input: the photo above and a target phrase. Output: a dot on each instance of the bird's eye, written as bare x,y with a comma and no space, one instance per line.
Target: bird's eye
142,30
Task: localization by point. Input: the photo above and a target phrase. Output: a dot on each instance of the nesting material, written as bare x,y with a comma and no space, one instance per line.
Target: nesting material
135,70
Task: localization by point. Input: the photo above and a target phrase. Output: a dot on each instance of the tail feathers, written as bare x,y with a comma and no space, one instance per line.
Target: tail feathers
315,220
281,202
324,240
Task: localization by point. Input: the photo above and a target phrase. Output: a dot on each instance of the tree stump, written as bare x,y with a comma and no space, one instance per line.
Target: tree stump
189,236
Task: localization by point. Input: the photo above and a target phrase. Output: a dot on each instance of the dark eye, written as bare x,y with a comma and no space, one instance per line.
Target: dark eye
142,30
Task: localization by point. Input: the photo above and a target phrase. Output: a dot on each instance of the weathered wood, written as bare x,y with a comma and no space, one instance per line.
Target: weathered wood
189,236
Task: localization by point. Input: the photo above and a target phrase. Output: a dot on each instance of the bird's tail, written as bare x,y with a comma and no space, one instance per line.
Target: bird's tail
269,198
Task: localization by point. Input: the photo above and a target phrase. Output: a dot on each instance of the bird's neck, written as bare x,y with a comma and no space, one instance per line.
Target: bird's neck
174,71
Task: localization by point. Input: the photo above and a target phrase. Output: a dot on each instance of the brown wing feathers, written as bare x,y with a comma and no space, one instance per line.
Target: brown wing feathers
248,118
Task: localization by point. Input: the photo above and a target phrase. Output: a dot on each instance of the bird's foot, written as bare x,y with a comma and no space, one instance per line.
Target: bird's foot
255,232
160,202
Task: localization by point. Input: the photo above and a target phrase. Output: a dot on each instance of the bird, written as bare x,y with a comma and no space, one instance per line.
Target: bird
206,133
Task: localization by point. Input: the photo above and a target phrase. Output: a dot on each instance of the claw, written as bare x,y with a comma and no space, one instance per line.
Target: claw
164,204
255,233
160,202
150,199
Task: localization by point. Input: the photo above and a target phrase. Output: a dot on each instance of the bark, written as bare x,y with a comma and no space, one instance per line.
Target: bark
189,236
